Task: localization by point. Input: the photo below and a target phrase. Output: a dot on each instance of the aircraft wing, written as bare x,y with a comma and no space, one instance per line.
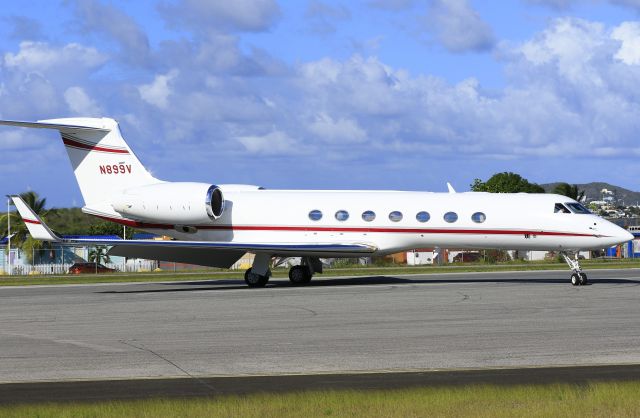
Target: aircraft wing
206,253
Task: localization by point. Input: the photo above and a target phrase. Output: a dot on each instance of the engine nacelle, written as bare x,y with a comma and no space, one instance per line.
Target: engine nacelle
172,203
214,202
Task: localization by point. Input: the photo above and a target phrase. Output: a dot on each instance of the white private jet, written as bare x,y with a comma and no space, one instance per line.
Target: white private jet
215,225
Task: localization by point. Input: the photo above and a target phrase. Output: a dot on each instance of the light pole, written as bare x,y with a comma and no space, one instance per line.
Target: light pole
8,235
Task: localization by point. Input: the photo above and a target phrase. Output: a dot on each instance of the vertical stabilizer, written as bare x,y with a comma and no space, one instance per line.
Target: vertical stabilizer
102,161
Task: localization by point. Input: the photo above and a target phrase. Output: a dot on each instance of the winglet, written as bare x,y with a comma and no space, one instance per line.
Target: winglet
450,187
38,229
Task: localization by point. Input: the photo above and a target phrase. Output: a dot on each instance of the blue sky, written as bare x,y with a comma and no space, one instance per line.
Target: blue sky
370,94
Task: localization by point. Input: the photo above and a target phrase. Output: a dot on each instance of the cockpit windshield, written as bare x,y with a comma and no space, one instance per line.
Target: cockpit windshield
578,208
560,208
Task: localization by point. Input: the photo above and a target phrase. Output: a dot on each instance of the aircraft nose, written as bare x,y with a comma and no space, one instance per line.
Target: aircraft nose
616,234
621,235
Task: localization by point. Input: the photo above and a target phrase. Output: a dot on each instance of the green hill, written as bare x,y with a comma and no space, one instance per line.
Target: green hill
593,192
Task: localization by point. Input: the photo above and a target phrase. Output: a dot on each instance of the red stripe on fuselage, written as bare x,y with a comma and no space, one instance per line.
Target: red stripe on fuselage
143,225
75,144
29,221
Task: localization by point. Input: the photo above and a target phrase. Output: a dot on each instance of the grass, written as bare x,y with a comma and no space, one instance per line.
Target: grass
355,270
591,400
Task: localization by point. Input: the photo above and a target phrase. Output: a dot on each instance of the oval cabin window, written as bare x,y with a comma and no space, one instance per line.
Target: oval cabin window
450,217
315,215
478,217
342,215
422,216
395,216
368,215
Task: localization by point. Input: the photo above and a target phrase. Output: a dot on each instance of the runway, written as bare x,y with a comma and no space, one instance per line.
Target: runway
337,325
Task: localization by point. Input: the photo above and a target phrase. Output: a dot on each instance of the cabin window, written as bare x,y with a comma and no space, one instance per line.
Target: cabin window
560,208
578,208
422,216
395,216
450,217
368,215
342,215
478,217
315,215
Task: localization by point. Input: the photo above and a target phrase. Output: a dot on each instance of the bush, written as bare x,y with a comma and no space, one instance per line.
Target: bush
496,256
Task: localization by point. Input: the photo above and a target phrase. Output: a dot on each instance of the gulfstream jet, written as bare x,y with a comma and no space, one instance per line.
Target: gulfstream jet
215,225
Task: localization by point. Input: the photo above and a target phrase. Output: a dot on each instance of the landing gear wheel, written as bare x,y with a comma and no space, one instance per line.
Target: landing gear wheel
575,279
256,280
583,279
300,275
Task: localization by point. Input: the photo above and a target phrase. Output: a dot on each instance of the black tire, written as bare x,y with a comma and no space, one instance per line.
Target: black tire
575,279
256,280
583,279
299,275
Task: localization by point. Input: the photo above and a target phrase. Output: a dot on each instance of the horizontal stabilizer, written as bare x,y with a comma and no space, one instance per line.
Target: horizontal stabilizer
44,124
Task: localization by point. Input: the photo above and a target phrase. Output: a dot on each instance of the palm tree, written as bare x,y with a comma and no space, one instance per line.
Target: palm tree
569,190
18,227
99,254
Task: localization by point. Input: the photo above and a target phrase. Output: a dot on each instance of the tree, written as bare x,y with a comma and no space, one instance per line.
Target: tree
99,255
568,190
109,228
19,230
506,182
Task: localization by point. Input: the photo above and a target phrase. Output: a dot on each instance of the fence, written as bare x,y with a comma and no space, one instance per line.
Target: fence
131,266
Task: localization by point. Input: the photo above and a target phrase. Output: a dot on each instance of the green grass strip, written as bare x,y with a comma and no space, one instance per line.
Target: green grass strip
352,271
591,400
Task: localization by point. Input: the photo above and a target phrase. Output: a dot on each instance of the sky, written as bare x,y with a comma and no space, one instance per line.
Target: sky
313,94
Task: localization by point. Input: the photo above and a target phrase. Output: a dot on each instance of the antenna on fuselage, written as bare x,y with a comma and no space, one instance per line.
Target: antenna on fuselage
450,187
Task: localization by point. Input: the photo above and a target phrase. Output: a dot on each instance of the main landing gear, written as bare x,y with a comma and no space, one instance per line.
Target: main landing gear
302,274
258,275
578,278
255,279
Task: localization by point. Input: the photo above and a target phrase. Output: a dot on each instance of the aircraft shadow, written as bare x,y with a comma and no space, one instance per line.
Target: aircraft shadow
281,283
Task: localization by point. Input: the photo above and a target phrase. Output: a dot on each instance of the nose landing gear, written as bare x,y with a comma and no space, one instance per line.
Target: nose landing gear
578,278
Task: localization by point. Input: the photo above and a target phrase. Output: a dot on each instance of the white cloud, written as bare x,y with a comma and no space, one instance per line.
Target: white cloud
80,103
571,45
341,130
40,56
157,93
458,26
628,33
273,143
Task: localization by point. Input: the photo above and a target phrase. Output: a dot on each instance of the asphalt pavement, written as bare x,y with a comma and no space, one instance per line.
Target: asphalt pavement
366,326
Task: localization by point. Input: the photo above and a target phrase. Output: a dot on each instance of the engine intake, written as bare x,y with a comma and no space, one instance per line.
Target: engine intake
214,202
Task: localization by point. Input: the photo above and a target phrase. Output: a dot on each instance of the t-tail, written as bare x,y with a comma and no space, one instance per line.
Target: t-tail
102,161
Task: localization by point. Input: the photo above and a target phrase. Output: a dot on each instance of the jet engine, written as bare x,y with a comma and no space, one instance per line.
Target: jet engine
172,203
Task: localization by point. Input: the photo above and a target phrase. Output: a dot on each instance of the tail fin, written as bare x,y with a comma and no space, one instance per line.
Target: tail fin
37,228
102,161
